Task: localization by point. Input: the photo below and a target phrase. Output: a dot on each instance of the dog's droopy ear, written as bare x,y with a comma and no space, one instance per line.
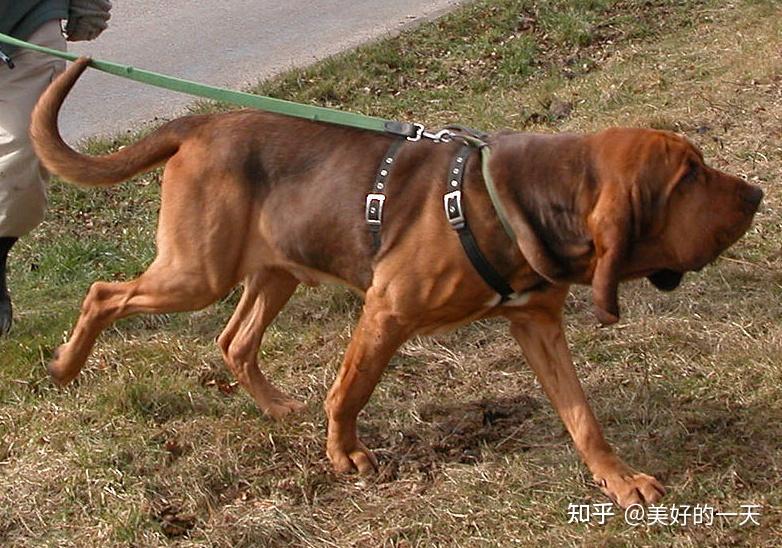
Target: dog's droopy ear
610,226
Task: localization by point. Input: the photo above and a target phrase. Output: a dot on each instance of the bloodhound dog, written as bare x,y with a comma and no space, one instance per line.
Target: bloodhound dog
272,202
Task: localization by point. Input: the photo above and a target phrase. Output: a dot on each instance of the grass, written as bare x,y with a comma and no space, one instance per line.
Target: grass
154,446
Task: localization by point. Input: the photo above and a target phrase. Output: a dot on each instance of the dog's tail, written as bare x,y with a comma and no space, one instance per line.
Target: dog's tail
86,170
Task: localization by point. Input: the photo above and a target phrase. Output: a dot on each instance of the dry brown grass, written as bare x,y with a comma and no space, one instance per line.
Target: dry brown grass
153,445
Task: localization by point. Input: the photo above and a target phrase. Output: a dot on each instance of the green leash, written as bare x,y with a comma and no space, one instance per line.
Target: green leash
279,106
413,132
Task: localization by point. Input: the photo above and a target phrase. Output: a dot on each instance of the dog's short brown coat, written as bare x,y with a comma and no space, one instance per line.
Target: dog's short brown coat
272,201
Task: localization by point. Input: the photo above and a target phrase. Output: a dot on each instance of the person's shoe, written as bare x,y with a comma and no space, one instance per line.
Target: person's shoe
6,314
6,311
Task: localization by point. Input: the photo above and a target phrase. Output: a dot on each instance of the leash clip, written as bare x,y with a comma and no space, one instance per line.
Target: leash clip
442,136
7,60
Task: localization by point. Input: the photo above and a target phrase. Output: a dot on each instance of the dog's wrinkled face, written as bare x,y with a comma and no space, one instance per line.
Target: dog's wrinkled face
672,214
707,212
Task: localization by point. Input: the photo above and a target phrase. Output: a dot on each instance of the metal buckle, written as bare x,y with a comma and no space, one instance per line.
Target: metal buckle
373,213
453,208
442,136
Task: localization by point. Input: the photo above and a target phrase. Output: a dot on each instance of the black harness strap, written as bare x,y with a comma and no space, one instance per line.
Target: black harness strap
454,212
373,211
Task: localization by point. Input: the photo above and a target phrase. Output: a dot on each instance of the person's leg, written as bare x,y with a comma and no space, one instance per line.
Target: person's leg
22,179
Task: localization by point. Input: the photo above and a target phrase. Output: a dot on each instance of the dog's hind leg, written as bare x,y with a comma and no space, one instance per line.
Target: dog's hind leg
265,293
204,232
159,290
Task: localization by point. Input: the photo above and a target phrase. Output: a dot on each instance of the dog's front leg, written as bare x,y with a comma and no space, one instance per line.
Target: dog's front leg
375,339
540,334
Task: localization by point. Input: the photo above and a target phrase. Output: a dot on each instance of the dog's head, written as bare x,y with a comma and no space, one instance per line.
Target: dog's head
660,212
638,203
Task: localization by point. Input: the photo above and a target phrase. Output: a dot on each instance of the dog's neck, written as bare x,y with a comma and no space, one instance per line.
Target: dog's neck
546,183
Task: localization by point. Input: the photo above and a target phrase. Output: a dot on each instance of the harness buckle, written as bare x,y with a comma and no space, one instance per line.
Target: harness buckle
453,209
373,212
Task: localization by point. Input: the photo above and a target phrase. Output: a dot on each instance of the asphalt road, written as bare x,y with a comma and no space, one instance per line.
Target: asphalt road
232,44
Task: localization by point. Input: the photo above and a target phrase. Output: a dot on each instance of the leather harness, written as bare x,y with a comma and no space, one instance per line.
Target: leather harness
373,211
454,211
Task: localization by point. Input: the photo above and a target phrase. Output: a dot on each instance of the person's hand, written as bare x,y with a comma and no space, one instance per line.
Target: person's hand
87,19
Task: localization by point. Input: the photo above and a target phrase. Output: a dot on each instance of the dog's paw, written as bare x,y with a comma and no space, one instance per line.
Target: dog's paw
59,372
628,487
353,457
281,406
274,403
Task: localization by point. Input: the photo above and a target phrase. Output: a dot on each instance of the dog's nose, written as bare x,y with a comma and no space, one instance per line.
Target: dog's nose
752,196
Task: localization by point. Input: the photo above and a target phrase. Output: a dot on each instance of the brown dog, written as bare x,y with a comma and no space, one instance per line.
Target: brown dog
272,202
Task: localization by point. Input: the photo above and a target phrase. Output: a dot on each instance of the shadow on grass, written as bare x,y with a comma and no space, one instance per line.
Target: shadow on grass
455,432
709,439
